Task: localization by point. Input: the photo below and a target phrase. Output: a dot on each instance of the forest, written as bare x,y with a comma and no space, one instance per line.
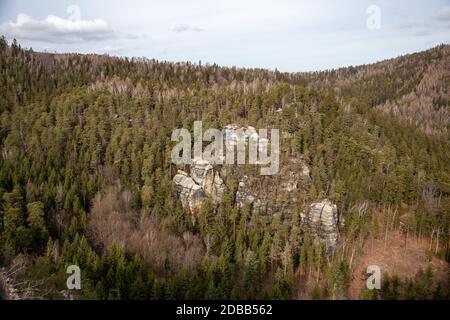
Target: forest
86,179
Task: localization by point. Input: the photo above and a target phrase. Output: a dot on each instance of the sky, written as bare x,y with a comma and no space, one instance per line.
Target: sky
289,35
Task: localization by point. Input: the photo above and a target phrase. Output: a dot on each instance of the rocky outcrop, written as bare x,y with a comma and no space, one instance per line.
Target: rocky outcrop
202,182
264,195
282,191
291,182
322,220
295,177
203,174
190,193
244,196
235,135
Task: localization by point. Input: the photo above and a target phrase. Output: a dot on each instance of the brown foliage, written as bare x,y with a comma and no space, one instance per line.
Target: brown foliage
113,221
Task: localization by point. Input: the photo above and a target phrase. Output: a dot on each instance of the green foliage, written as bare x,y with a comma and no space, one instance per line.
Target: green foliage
73,125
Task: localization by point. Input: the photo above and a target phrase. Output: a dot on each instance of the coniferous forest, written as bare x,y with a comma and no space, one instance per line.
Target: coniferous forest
86,179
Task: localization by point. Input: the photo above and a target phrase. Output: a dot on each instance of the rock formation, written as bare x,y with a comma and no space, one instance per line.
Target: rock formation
322,220
243,194
202,182
203,174
190,193
235,135
281,192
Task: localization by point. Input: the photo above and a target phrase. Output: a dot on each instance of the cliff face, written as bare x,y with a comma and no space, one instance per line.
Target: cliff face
322,220
190,193
203,174
262,195
202,182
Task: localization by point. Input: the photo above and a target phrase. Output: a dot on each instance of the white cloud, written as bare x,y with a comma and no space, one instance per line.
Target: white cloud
443,14
54,28
185,27
292,35
111,50
408,24
422,33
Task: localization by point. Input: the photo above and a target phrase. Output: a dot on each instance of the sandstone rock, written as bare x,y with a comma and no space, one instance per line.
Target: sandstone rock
219,187
203,174
190,193
235,135
201,183
243,195
322,220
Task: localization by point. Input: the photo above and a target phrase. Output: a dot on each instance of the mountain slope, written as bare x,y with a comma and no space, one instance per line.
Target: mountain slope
413,87
86,177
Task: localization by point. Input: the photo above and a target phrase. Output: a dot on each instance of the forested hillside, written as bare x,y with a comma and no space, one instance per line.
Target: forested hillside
414,87
86,178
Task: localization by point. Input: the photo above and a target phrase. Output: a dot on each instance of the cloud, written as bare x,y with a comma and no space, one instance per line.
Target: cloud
443,14
407,25
185,27
111,50
54,28
422,33
180,28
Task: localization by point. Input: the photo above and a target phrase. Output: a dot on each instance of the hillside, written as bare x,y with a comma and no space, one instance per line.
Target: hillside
412,87
86,178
